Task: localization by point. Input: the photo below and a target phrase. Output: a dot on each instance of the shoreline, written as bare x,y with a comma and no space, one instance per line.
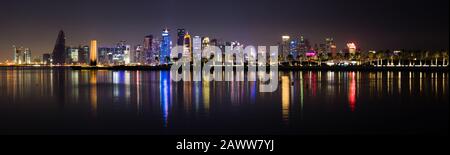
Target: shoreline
280,68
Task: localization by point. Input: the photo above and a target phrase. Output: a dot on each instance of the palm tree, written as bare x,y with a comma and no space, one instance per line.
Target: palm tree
436,56
444,58
413,58
380,56
422,56
371,56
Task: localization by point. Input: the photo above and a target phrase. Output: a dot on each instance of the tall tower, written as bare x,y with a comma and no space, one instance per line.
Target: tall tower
331,46
59,57
27,56
180,34
285,47
187,50
93,53
205,44
166,43
197,47
148,56
351,47
16,55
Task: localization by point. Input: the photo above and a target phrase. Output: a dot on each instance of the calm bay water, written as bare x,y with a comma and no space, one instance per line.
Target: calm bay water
64,101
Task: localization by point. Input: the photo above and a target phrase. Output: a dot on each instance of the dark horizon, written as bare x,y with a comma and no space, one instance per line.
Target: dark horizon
371,24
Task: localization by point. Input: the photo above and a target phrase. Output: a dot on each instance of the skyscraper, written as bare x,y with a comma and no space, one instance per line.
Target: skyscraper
83,53
205,44
331,46
148,56
166,43
180,34
351,47
285,47
197,47
93,53
22,55
187,48
59,56
127,54
17,55
294,48
27,56
74,54
139,54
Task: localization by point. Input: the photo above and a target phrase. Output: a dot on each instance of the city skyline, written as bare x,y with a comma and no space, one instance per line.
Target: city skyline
375,25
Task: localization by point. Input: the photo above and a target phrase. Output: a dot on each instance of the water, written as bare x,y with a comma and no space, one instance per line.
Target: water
64,101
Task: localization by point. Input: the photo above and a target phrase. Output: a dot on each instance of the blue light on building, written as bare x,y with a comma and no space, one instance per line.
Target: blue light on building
165,48
294,48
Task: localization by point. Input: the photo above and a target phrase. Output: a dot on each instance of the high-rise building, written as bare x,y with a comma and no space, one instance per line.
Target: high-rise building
205,43
93,53
46,59
180,34
127,54
148,56
331,47
351,47
83,53
187,48
304,45
166,44
59,56
197,47
27,56
18,55
104,55
120,54
156,50
294,48
74,55
139,54
22,55
285,41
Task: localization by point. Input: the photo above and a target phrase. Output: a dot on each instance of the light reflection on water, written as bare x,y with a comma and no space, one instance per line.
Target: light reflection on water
149,100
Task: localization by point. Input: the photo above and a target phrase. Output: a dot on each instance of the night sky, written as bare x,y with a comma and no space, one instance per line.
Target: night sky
372,24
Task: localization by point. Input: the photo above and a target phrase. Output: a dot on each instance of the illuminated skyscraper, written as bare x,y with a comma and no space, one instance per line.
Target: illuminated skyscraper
331,46
59,56
166,43
74,55
294,48
197,47
22,55
205,44
93,53
127,54
180,34
83,53
27,56
187,48
18,55
304,45
149,55
139,55
351,47
284,47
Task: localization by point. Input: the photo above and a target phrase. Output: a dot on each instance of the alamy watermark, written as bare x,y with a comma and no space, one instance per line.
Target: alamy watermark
219,65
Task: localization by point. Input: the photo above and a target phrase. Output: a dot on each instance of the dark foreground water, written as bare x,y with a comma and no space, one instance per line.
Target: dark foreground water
38,101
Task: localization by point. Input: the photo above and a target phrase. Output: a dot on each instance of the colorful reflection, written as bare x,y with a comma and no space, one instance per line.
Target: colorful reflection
93,90
165,95
285,98
352,92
